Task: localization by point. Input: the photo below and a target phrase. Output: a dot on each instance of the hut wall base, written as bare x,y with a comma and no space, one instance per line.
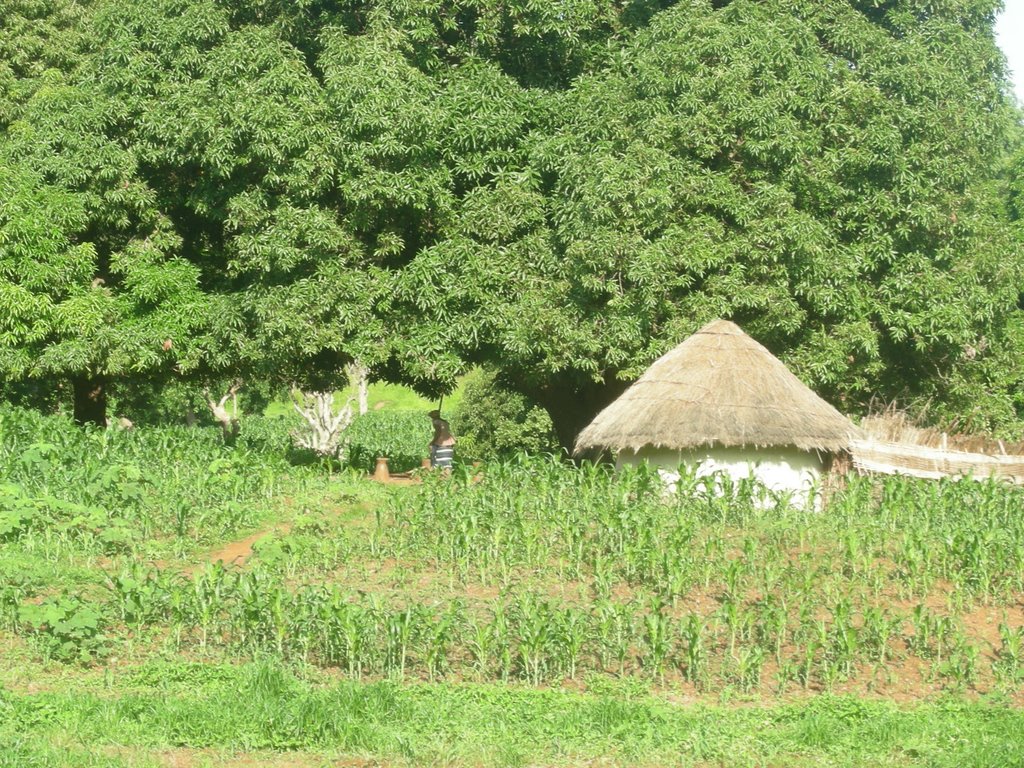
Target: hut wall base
779,470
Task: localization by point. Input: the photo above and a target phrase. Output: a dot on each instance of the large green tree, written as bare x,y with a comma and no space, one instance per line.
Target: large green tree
90,279
564,190
817,171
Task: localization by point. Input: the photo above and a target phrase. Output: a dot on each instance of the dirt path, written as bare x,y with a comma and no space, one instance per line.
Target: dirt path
238,552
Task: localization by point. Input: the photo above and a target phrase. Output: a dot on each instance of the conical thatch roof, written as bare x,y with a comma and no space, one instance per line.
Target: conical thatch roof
719,387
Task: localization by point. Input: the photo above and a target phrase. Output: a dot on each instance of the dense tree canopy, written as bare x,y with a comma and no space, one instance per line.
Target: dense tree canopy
89,273
563,190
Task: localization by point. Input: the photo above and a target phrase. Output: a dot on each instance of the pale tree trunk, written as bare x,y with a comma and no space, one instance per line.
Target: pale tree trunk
364,395
228,420
325,428
359,377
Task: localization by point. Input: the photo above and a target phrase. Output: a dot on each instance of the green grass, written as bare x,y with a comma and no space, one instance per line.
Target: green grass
383,396
583,605
264,706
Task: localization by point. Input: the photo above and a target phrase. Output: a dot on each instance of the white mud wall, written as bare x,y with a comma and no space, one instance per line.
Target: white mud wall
780,470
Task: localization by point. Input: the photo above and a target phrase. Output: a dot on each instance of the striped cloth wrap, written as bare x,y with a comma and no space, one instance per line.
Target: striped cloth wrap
442,455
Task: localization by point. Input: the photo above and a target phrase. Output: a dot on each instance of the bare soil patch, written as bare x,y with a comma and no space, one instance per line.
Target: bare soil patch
184,757
238,552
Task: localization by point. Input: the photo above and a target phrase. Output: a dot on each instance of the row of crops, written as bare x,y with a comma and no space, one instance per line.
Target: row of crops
519,635
530,570
591,524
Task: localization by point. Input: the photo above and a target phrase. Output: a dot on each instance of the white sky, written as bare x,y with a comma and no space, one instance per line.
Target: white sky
1010,36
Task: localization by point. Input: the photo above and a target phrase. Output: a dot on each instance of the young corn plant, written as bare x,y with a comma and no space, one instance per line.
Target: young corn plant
961,664
399,627
533,624
845,643
210,591
573,633
437,637
749,662
615,633
1009,663
786,673
692,630
772,623
657,638
351,637
878,629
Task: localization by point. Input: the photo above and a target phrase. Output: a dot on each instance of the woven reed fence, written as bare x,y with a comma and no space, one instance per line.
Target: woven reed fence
873,455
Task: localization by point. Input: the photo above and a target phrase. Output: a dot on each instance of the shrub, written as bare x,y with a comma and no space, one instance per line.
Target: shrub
268,434
492,421
402,436
67,628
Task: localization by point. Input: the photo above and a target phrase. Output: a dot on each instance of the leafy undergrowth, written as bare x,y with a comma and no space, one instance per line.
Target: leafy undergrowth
560,593
545,574
264,706
541,573
76,504
155,492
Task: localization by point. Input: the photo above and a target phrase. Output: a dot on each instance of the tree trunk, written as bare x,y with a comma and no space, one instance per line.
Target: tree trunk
90,396
364,395
572,405
325,428
228,420
359,377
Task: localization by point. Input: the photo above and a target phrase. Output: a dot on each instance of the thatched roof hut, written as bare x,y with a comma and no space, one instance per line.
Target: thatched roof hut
718,388
721,402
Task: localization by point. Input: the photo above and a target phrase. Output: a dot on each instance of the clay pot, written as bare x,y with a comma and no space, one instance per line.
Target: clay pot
381,472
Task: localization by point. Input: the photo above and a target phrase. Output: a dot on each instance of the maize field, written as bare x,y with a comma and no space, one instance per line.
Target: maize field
531,571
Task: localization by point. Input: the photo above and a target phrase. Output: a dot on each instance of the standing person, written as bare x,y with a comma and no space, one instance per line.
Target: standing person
442,447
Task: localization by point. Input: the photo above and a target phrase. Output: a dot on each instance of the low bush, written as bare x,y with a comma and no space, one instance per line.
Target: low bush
492,421
66,627
401,436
